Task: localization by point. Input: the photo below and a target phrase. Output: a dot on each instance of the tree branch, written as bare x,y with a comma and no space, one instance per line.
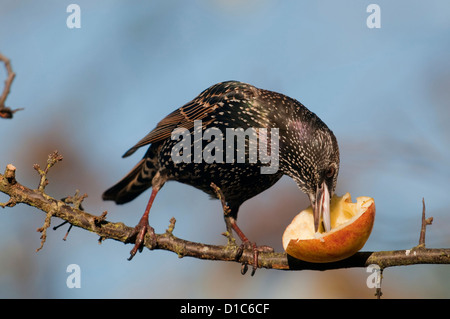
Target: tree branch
168,241
6,112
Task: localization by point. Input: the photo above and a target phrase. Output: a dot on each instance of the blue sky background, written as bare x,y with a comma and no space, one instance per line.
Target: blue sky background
93,92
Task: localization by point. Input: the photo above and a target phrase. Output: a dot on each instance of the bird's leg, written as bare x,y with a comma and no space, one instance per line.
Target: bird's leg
246,243
143,227
230,222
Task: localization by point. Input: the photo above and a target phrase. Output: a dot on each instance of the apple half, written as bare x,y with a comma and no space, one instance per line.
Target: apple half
351,225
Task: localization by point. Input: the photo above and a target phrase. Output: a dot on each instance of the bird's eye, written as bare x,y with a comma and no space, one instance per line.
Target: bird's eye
330,172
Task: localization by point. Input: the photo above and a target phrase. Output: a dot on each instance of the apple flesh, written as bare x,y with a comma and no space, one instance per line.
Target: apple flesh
351,225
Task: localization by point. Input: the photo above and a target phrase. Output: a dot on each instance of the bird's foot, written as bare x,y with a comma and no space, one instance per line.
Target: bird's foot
140,231
245,244
255,250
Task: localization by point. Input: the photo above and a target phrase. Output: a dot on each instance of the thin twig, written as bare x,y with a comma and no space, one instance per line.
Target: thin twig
219,193
6,112
425,222
76,199
53,158
43,229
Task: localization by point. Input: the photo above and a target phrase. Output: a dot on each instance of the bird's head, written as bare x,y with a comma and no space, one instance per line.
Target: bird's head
310,155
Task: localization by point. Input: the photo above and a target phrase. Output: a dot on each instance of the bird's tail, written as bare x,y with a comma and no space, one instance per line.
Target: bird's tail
135,182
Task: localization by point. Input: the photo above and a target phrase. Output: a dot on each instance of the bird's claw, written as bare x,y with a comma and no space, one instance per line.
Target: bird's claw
255,250
140,231
239,253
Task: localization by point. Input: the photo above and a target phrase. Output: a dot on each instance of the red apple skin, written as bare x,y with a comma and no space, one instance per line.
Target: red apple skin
336,245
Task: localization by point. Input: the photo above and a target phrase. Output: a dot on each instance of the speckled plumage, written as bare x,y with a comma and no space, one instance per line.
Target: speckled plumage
308,150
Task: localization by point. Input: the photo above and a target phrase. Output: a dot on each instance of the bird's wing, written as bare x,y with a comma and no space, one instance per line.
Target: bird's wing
203,107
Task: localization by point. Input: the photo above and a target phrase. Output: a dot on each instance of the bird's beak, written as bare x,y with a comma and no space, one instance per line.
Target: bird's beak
321,207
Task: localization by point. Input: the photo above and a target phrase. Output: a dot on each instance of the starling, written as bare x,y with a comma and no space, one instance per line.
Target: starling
305,149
